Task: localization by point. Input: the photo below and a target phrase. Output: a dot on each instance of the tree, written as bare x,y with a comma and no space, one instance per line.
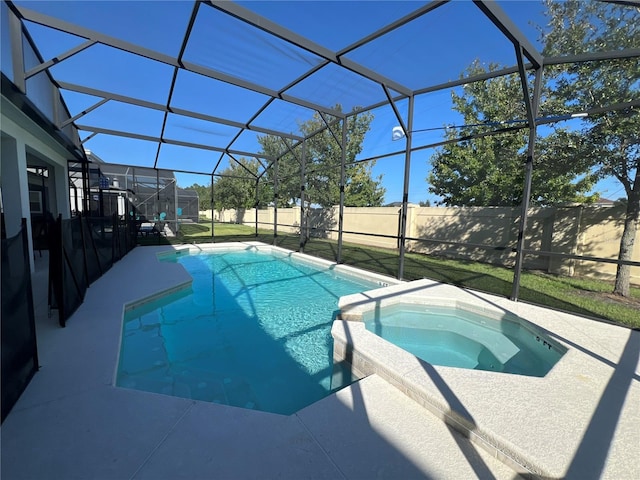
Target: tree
235,187
610,140
488,171
361,189
288,171
204,195
322,165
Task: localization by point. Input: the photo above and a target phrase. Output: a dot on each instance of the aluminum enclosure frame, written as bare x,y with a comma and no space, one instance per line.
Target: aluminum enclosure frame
394,92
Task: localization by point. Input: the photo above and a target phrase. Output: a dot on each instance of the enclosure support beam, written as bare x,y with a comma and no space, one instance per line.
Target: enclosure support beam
593,56
299,41
17,54
67,27
179,111
240,164
212,215
405,191
175,206
176,70
58,58
342,181
83,113
157,213
511,31
303,182
257,204
86,192
532,111
402,234
275,201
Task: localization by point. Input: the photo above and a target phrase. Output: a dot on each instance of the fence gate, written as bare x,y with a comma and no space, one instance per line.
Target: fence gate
19,350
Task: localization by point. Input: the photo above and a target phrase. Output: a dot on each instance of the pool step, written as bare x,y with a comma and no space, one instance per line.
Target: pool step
370,429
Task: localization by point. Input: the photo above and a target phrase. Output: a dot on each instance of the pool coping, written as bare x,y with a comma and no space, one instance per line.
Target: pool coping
452,393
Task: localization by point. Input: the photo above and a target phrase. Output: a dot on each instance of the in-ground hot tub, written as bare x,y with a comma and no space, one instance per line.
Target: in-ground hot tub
453,386
460,336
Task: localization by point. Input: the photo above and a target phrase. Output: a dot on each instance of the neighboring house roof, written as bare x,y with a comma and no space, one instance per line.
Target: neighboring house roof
604,202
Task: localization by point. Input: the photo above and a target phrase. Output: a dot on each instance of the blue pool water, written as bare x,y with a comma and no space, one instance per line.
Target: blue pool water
254,332
454,337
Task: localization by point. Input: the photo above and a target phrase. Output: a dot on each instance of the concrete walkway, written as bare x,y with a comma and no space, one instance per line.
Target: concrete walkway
71,422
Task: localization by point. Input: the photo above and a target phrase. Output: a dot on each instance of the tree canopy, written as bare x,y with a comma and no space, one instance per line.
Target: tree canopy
322,164
569,159
204,195
610,140
488,170
235,186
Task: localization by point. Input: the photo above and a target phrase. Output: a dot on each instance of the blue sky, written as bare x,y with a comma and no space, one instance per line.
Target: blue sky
409,57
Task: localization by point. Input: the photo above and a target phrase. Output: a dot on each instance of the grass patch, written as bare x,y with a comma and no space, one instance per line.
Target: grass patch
583,296
194,229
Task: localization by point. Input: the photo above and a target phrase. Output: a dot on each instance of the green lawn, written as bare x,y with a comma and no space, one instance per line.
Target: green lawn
578,295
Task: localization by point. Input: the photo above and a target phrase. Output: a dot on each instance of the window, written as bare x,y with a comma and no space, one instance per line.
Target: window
35,201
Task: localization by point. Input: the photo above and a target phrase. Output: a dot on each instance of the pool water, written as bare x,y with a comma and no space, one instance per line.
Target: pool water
254,331
456,337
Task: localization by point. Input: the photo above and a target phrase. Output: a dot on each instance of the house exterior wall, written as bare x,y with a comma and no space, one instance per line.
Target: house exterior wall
22,138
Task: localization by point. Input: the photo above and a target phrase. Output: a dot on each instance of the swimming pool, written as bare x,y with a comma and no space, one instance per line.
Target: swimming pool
253,331
455,336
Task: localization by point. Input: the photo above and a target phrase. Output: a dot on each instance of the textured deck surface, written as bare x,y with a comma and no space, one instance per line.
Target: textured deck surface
71,422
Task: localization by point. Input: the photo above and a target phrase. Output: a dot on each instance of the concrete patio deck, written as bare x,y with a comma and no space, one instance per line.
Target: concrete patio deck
577,421
71,422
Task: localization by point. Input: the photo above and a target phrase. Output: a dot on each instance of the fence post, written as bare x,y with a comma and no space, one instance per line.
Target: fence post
84,246
411,225
32,315
56,276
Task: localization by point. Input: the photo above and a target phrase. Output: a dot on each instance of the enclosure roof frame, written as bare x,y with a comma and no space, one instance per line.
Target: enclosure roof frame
394,90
